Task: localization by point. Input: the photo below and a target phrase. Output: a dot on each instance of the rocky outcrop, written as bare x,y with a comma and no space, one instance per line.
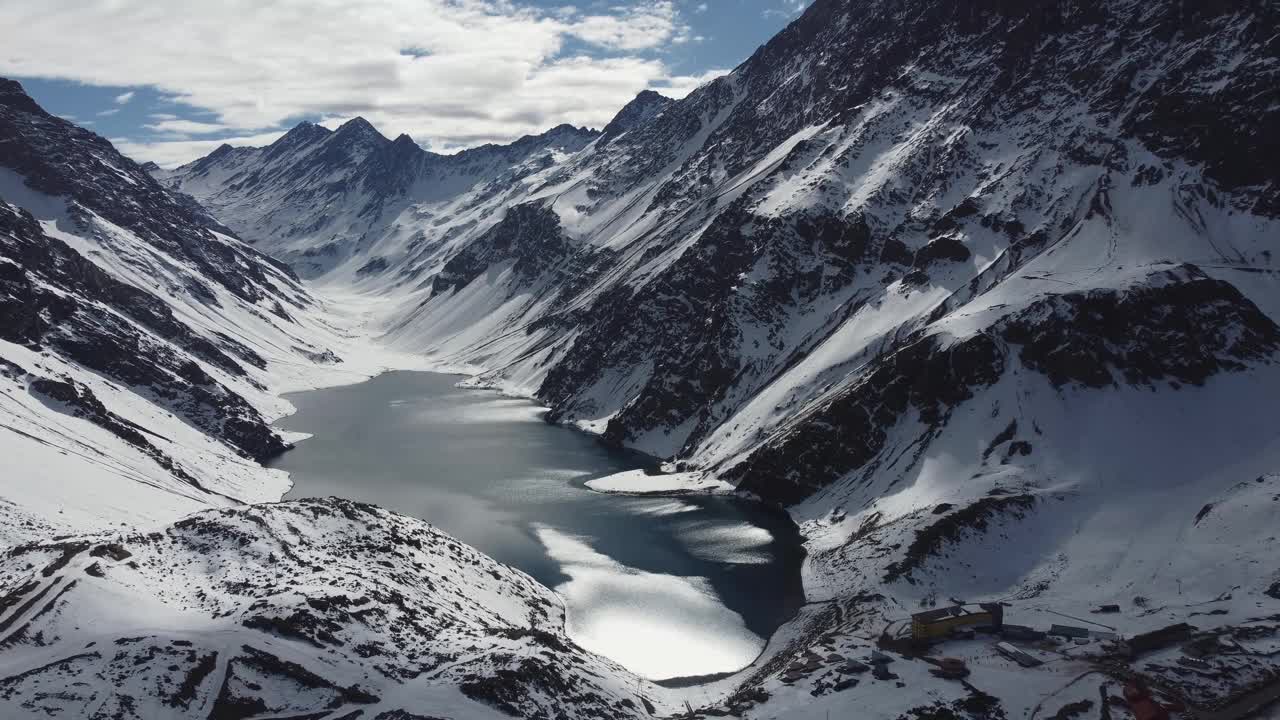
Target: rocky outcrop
1176,326
686,317
929,377
52,298
399,611
1180,326
78,400
647,105
528,239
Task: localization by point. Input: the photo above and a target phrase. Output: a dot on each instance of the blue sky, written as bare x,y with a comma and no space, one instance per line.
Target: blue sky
171,81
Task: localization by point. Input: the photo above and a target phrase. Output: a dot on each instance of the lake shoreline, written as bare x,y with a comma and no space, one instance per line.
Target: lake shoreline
713,575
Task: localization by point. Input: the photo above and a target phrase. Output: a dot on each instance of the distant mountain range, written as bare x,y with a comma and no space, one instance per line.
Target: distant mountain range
983,293
323,199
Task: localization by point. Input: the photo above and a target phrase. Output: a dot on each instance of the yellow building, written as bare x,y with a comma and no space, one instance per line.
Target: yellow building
935,624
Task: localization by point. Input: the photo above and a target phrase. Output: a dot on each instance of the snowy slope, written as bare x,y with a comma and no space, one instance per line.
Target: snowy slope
142,349
302,609
143,352
982,292
349,204
970,287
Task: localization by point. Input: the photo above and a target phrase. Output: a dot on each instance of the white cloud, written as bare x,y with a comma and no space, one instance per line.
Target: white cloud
788,9
108,113
171,153
681,85
448,72
124,98
645,26
175,126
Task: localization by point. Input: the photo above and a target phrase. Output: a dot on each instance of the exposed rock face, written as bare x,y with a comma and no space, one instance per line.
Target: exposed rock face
687,326
928,376
81,402
138,334
58,158
529,238
647,105
52,297
1181,327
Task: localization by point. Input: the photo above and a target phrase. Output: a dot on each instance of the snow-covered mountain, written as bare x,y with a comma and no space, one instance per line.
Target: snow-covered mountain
333,202
142,347
143,352
982,292
279,610
881,183
970,287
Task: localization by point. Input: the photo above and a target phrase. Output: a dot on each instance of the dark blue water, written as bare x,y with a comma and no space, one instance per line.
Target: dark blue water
669,587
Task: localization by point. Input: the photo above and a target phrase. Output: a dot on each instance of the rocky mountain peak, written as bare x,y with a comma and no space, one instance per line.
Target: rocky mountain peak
641,108
221,151
58,158
359,129
306,127
304,133
840,54
564,136
13,95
